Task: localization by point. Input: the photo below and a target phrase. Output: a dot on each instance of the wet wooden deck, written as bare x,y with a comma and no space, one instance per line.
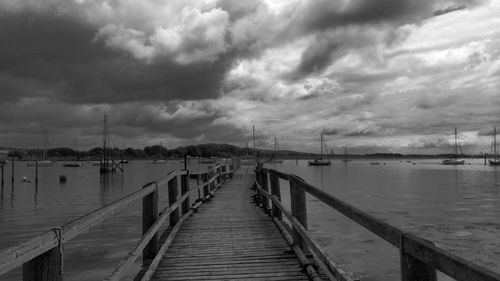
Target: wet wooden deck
230,238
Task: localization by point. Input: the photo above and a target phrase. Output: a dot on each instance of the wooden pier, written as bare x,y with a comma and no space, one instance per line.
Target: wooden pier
233,226
230,238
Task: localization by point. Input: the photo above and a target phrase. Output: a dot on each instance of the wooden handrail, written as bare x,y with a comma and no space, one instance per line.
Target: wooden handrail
17,255
27,251
419,254
331,269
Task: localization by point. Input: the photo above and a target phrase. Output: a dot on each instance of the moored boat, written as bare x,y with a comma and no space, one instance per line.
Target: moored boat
455,160
320,161
495,161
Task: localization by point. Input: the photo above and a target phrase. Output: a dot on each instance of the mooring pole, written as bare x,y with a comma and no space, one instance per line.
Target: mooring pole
12,176
36,172
2,172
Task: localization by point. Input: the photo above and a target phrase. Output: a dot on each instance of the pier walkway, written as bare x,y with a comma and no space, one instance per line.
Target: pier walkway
230,238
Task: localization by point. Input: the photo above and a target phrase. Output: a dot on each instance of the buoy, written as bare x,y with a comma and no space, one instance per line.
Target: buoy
62,178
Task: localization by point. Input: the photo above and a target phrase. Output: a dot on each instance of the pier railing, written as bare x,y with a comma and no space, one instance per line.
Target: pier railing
419,258
41,257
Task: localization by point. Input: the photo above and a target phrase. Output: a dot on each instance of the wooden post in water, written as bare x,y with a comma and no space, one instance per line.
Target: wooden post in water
173,196
2,173
12,176
299,210
36,172
275,191
45,267
413,269
184,190
149,217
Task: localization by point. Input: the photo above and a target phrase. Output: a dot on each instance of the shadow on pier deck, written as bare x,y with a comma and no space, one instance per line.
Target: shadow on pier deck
230,238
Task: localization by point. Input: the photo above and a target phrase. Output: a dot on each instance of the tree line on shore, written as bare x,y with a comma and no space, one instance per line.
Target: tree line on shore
155,151
201,150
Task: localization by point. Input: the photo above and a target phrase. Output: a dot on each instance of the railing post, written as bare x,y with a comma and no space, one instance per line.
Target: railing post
265,187
45,267
299,211
173,196
258,179
149,217
413,269
210,176
224,170
184,190
275,191
204,179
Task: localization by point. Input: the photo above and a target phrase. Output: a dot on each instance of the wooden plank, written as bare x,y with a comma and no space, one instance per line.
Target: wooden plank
154,263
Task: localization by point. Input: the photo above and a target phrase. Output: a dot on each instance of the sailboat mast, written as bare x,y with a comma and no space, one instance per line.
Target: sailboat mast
456,143
321,140
105,140
44,146
495,142
253,136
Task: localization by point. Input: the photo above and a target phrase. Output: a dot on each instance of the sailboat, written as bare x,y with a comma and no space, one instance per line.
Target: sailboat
454,161
320,161
273,159
495,161
159,160
74,164
346,155
44,161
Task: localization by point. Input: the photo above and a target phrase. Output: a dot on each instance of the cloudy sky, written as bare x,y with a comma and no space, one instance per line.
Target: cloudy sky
386,75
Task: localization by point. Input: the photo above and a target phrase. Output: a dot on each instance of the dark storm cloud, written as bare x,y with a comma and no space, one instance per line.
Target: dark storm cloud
48,55
326,16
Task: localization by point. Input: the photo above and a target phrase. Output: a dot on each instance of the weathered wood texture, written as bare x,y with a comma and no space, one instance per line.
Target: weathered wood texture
230,238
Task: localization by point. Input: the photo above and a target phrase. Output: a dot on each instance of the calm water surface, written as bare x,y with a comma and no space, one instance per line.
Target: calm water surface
456,207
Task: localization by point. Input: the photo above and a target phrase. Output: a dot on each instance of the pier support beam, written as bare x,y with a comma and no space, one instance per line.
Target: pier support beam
275,191
413,269
299,211
173,196
185,189
149,217
45,267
